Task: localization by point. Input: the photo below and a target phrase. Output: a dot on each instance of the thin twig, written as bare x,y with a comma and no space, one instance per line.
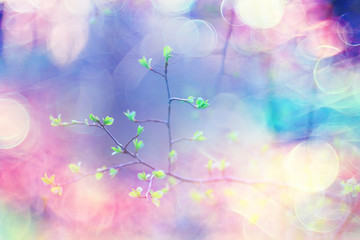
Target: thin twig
143,162
98,171
181,140
183,100
113,138
151,120
169,173
149,187
169,113
132,139
224,53
157,72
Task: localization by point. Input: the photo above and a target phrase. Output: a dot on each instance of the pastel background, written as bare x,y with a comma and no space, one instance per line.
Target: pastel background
282,79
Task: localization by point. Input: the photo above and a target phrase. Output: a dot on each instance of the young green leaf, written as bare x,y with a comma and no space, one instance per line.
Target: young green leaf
108,120
116,150
167,53
55,122
159,174
146,63
113,172
143,176
165,189
209,165
156,202
140,130
74,167
157,194
190,99
201,104
133,194
57,190
198,136
138,144
47,180
136,193
94,118
74,122
100,174
172,154
130,115
222,165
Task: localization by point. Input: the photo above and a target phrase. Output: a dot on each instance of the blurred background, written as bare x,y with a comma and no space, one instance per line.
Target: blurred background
282,79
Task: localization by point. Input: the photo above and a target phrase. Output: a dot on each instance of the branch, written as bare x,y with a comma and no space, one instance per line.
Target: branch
181,140
102,170
224,53
168,173
151,120
113,138
169,113
127,144
149,187
157,72
183,100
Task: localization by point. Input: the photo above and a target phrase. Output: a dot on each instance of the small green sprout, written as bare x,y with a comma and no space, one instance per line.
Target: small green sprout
172,154
159,174
57,190
116,150
136,193
198,136
108,120
74,167
190,99
222,165
165,189
113,172
157,194
140,130
94,118
47,180
209,166
138,144
130,115
100,174
55,122
155,197
145,63
201,103
143,176
167,53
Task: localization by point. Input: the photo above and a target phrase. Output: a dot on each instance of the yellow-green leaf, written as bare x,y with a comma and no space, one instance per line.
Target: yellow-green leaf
156,202
47,180
159,174
57,190
74,167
